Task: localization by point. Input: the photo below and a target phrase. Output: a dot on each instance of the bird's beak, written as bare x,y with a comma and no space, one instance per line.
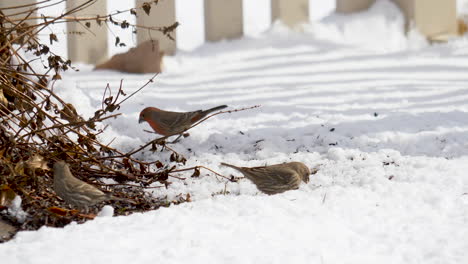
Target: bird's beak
141,120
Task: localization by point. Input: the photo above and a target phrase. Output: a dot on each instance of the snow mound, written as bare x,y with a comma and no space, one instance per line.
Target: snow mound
380,28
384,128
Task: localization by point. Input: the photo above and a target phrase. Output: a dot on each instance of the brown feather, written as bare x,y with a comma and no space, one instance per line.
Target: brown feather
169,123
275,178
77,192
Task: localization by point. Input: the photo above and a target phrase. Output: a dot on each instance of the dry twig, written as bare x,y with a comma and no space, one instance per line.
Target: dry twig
37,127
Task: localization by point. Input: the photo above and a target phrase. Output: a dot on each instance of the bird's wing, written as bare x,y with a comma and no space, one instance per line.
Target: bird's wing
80,187
268,178
172,120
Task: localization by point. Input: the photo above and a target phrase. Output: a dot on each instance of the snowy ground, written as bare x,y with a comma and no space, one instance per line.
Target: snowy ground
386,127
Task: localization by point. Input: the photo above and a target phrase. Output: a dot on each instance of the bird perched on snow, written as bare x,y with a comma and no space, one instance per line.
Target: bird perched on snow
77,192
277,178
168,123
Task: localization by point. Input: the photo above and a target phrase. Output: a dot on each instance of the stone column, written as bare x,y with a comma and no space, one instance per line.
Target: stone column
351,6
161,14
88,45
223,19
291,12
435,19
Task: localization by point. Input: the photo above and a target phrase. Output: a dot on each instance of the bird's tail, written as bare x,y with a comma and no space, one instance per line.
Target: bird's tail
206,112
231,166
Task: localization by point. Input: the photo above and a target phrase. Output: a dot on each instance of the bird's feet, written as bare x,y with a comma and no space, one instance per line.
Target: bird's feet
178,138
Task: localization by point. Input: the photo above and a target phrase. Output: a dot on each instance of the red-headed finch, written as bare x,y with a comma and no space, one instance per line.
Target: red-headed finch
277,178
168,123
77,192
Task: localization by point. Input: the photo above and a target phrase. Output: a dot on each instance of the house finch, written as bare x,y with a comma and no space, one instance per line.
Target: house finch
276,178
77,192
168,123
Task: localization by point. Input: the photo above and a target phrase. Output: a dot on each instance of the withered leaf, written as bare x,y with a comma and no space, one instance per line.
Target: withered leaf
153,147
23,121
173,157
69,113
6,195
3,100
91,136
142,169
47,105
171,28
81,140
124,24
146,7
196,173
112,107
98,113
90,147
91,125
40,117
133,11
108,100
52,38
126,163
158,164
62,211
36,161
44,49
117,41
163,176
19,168
98,20
121,177
88,24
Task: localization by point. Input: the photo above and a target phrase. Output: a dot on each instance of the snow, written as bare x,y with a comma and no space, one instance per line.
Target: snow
462,7
15,209
386,128
380,28
106,211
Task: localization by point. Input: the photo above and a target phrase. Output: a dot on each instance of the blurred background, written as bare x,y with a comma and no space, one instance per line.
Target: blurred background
189,13
361,22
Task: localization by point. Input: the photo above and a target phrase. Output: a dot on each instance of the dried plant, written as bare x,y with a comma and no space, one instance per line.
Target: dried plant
38,128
